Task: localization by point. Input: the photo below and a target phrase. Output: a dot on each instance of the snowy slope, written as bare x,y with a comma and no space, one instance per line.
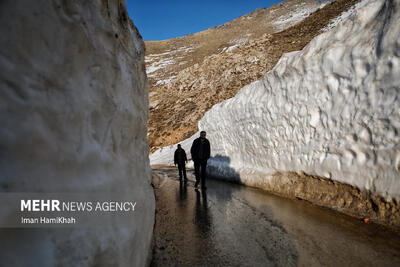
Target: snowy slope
73,111
300,12
331,109
346,14
189,74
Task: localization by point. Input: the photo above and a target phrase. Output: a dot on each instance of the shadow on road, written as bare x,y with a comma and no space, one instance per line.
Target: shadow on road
202,217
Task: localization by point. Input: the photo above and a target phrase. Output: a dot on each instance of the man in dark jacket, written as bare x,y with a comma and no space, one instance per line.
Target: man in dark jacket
200,152
180,159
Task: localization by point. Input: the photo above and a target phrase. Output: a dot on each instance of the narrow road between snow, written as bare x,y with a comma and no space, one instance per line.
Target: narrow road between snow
233,225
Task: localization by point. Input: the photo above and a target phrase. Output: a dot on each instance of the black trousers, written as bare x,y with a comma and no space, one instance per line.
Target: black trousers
182,170
200,163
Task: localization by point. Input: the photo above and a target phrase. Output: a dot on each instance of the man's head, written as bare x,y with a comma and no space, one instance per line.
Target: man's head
179,146
203,135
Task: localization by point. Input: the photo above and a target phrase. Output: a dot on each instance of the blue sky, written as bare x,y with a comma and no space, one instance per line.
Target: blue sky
165,19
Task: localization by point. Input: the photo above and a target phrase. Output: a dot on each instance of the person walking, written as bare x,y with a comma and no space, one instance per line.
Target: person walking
200,152
181,159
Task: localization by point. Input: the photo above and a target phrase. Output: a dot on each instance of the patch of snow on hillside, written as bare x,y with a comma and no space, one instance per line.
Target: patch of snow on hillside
186,48
345,15
236,43
229,49
292,18
165,81
322,4
162,60
170,53
158,65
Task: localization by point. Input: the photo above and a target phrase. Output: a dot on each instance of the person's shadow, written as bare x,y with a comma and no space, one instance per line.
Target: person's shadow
202,217
182,190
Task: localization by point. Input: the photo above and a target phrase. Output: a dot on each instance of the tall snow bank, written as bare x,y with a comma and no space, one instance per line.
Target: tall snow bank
165,155
73,117
331,110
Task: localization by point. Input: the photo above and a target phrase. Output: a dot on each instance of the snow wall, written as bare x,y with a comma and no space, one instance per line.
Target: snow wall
331,110
74,106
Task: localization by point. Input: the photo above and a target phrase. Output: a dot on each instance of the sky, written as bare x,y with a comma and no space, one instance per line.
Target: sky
165,19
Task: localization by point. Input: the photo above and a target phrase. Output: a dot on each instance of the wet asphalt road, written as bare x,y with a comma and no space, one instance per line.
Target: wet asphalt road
233,225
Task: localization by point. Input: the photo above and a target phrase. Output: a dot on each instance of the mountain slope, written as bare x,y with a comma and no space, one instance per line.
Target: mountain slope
323,124
174,66
166,58
177,106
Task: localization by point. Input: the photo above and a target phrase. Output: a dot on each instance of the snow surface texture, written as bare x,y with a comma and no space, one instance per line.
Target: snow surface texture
165,155
345,15
236,44
331,109
296,16
73,116
160,61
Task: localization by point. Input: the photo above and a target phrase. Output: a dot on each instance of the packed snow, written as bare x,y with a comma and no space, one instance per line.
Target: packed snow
235,44
230,48
74,107
157,65
331,110
345,15
165,81
162,60
294,17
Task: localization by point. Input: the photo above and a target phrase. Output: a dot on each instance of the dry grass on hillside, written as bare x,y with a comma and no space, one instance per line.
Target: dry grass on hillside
214,40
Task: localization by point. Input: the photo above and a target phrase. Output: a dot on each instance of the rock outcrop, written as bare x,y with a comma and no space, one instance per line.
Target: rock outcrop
74,106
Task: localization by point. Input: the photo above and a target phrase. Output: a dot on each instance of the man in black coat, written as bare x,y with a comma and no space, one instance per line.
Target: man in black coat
200,152
180,159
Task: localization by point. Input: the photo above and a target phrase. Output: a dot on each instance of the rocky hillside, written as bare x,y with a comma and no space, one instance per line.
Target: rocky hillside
164,59
178,101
